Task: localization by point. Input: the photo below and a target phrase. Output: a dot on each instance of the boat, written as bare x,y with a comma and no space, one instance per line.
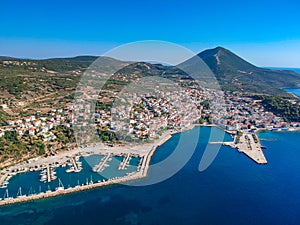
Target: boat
60,186
19,194
6,195
71,169
49,190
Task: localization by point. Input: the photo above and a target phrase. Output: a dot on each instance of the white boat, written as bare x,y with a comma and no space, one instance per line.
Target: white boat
19,194
6,195
60,186
72,169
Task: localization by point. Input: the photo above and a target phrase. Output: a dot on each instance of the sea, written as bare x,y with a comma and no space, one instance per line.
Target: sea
232,190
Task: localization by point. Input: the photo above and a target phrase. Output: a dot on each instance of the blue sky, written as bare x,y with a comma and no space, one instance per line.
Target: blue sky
266,33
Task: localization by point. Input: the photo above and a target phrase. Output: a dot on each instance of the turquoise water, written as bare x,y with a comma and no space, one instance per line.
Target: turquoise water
295,91
30,181
233,190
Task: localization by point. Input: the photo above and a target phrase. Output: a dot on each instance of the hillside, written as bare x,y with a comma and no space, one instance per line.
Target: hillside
28,85
236,74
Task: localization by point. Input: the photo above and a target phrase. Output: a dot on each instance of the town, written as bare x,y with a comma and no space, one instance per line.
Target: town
146,117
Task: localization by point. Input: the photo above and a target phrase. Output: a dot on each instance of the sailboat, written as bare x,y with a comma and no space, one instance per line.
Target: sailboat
6,195
19,194
30,191
49,190
60,186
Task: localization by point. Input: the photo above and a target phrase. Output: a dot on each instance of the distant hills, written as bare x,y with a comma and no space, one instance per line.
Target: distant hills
232,72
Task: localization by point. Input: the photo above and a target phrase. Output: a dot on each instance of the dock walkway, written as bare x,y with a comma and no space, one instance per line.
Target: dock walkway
100,167
125,162
48,174
74,164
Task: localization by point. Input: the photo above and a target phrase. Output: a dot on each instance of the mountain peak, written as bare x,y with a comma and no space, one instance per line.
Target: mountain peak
222,58
235,73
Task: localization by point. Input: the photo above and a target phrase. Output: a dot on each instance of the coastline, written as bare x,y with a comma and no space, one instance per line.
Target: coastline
145,151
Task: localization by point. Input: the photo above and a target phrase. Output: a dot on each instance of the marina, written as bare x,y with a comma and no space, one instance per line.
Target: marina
65,182
92,167
82,169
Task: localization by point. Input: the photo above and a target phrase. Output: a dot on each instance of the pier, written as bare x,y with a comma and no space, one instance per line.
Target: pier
75,165
248,144
101,166
48,174
125,162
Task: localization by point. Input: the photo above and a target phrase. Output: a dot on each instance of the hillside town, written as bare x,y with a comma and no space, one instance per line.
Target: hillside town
146,116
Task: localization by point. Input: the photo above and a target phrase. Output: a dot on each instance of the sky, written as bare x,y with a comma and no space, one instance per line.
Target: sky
265,33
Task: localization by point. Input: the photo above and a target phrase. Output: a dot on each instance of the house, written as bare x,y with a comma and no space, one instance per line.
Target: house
49,125
9,122
31,131
44,129
36,123
19,131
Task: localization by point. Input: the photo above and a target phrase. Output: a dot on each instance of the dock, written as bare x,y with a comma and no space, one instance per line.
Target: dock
248,144
125,162
76,169
48,174
101,166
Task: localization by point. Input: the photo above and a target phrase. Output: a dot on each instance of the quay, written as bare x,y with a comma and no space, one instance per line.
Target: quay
249,144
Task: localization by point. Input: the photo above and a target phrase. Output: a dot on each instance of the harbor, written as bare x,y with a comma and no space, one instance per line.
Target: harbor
94,166
77,170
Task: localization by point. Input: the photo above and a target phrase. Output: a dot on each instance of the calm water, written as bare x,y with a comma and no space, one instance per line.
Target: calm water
30,181
295,91
233,190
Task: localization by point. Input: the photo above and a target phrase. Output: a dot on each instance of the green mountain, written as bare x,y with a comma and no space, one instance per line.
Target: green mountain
236,74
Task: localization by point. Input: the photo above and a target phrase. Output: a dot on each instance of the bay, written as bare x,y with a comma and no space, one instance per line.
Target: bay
233,190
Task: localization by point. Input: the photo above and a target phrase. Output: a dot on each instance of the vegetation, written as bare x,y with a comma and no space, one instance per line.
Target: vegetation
106,136
64,135
205,104
12,147
281,107
236,74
